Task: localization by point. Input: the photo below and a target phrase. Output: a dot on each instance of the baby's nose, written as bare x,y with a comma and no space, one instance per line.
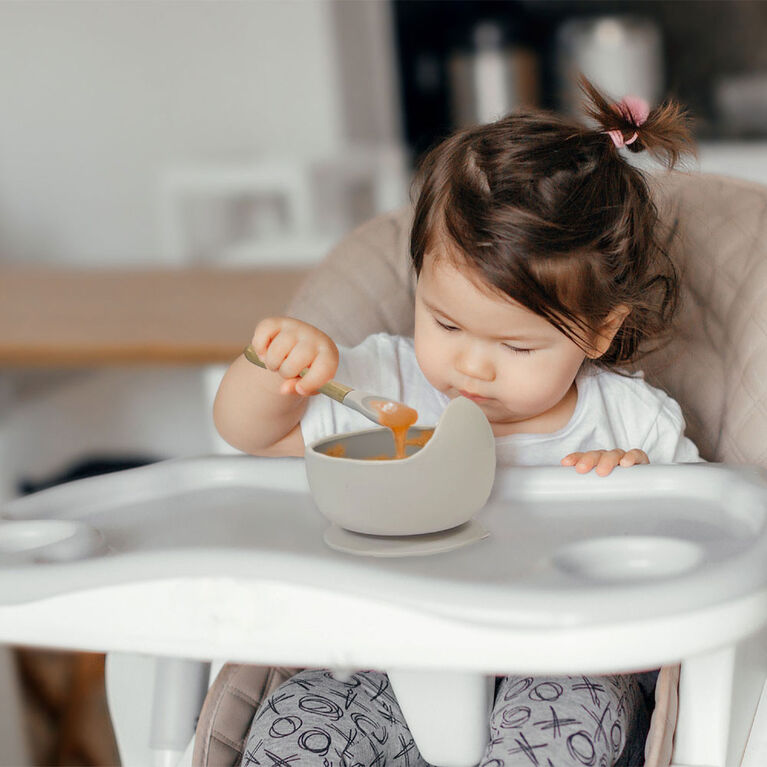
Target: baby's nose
474,364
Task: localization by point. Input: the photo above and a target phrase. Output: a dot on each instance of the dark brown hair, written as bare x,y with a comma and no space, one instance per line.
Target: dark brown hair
548,213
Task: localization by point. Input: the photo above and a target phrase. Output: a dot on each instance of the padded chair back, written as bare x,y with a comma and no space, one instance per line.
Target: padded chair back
716,363
228,710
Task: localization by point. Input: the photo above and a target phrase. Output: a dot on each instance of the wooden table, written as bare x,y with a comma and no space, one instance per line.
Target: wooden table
52,317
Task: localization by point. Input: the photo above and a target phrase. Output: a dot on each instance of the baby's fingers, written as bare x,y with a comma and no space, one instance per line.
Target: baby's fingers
571,459
321,370
587,461
288,386
265,331
634,458
301,356
608,461
278,351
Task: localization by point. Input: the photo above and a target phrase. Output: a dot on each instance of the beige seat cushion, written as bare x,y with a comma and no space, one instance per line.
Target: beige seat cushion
716,365
364,285
228,710
660,738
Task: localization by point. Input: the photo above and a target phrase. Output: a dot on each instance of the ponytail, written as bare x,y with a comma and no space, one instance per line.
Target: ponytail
663,131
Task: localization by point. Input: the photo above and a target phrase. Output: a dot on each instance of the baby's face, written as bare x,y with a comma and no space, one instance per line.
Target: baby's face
469,341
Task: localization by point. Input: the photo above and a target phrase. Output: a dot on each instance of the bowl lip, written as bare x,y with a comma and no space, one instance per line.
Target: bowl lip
311,448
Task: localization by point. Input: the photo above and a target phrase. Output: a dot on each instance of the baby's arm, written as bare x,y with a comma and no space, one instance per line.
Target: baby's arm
258,411
604,460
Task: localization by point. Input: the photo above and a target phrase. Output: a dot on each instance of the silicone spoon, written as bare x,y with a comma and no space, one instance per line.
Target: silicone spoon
380,410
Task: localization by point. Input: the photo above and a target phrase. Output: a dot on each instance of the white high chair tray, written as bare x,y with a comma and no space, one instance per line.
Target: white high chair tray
224,557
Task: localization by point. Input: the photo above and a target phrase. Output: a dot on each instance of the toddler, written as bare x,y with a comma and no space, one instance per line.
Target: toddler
541,275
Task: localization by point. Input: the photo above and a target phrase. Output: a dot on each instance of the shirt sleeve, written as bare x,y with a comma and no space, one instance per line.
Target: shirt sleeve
665,441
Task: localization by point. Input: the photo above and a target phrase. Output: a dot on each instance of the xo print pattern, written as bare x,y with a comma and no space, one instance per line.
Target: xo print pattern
567,721
318,719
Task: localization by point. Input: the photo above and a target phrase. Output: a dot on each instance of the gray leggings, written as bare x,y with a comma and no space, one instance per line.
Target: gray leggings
315,719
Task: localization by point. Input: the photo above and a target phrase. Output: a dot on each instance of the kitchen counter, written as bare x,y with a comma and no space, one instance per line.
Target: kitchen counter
76,317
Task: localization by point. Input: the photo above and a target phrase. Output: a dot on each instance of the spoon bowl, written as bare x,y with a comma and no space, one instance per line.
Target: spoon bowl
436,487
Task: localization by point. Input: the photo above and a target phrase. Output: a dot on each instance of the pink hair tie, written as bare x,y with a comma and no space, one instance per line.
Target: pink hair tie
634,109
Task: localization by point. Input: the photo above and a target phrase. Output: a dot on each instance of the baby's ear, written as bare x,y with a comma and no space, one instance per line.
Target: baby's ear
607,331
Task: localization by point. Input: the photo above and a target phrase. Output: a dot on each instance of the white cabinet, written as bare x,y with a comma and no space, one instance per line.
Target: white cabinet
276,211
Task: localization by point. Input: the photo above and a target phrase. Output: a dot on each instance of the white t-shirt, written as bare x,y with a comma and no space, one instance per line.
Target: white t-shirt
612,411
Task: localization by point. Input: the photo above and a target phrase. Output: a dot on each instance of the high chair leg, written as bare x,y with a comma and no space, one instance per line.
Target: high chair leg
179,691
156,734
447,713
718,695
756,748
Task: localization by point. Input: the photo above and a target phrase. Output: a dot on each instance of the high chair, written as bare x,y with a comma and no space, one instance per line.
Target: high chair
717,649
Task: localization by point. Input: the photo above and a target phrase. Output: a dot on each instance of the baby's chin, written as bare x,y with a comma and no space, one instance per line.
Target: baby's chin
500,416
495,411
492,408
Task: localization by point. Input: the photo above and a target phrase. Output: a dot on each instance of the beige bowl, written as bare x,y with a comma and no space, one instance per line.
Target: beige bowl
437,487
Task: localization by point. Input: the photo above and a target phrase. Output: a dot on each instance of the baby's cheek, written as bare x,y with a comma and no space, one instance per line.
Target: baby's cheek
534,395
432,368
433,376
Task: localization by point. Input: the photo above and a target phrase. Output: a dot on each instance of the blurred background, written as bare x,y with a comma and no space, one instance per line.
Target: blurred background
116,112
156,135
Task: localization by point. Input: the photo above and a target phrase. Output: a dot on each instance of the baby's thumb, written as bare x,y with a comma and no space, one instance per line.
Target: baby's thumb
290,386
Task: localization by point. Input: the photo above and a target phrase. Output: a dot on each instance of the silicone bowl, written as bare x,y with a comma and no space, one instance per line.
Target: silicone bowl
437,487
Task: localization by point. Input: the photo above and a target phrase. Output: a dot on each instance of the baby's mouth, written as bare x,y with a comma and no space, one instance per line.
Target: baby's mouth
473,397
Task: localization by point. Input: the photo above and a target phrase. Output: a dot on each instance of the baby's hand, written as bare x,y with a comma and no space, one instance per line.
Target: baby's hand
287,346
604,460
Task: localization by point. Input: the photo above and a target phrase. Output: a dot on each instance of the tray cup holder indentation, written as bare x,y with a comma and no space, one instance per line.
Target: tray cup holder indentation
47,540
625,559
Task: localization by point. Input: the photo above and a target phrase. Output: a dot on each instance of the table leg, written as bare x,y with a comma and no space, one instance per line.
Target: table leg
447,713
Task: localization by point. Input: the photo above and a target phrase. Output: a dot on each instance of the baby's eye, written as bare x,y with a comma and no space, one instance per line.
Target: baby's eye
518,350
445,326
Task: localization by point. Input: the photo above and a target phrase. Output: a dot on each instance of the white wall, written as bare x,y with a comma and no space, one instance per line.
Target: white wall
97,98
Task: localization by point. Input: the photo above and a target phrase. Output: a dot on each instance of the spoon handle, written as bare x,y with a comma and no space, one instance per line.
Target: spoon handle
332,389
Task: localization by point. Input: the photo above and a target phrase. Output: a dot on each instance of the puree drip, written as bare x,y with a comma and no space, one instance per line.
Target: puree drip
397,417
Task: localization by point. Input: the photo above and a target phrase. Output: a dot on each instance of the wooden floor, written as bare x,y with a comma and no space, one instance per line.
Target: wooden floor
65,709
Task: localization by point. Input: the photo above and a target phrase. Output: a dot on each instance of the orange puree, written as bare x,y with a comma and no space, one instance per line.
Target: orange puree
397,417
421,439
339,451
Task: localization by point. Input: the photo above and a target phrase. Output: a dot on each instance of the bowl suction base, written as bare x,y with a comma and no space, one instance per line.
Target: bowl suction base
404,545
